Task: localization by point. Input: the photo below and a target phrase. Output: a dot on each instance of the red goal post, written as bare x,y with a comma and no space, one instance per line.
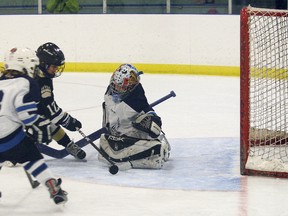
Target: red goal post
264,92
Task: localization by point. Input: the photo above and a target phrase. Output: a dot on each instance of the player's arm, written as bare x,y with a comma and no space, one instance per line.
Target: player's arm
51,110
147,120
27,111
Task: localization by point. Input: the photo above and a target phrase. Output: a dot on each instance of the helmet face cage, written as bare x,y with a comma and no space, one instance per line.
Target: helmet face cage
44,68
59,70
123,81
23,60
50,54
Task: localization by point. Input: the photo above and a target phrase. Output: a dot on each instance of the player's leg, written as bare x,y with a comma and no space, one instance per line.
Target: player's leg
27,154
61,137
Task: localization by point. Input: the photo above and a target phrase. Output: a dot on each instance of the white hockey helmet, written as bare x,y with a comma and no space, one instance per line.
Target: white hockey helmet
124,80
23,60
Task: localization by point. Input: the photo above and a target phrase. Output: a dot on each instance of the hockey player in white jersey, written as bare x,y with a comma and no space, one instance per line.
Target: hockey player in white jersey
134,129
19,96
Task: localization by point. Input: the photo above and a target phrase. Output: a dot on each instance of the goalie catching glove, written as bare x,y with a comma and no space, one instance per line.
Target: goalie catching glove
70,123
40,130
149,123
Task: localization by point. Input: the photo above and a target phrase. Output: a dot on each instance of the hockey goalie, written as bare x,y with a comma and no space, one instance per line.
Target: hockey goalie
134,129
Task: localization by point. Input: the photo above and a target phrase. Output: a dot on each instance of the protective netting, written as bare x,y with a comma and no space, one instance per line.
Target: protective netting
268,95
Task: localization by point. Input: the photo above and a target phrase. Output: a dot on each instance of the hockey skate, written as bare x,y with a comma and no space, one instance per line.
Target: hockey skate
75,150
58,195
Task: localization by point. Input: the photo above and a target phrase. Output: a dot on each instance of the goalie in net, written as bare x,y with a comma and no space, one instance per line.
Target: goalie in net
134,129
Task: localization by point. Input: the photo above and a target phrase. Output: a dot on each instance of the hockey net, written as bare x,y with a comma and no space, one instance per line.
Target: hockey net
264,92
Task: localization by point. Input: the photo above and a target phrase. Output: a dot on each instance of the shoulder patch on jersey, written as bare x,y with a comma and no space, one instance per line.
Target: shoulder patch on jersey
46,91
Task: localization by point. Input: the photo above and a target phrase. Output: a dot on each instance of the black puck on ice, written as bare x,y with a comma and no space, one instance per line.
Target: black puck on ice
0,194
113,169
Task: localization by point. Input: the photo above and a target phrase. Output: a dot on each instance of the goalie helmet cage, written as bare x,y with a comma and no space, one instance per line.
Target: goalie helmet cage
264,92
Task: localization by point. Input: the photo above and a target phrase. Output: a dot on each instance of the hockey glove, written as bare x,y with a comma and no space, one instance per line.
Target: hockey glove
149,123
40,131
70,123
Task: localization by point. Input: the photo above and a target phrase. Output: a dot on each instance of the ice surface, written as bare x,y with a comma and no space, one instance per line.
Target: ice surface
201,178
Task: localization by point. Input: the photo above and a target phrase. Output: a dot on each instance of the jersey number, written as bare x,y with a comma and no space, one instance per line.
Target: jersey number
53,108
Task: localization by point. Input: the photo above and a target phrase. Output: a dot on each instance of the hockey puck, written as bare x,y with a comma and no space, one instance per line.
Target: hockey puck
113,169
0,194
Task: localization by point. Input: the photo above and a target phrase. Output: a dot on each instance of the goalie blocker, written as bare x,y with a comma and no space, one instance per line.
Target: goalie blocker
140,153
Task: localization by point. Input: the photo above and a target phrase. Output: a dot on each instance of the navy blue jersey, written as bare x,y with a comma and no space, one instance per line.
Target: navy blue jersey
48,106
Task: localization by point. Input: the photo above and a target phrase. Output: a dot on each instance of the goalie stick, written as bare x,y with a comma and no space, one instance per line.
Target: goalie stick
58,154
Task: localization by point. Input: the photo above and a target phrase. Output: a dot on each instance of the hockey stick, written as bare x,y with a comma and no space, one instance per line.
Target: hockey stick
113,169
33,183
171,94
58,154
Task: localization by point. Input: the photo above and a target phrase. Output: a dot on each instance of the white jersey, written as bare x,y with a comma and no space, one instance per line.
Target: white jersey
120,115
18,107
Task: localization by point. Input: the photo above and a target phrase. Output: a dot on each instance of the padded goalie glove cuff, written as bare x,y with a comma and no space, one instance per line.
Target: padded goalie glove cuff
70,123
149,123
40,130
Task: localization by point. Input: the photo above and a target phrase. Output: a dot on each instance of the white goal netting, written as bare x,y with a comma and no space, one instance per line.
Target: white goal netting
268,90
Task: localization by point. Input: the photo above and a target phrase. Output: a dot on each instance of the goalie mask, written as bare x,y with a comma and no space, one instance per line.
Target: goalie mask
123,81
50,54
23,60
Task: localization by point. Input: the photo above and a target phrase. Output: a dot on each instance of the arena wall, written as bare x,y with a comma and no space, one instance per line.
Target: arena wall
182,44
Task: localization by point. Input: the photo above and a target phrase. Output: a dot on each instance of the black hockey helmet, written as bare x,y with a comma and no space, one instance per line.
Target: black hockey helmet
50,54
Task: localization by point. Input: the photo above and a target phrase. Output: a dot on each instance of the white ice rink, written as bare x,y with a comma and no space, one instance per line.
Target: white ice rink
201,178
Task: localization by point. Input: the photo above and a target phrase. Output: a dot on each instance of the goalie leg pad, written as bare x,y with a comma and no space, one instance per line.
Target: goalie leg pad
140,153
166,148
152,162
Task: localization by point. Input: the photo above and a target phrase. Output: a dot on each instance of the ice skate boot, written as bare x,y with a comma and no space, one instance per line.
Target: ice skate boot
58,195
75,150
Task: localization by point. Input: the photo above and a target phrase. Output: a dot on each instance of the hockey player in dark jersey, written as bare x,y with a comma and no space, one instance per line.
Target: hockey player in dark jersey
52,64
135,135
19,95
